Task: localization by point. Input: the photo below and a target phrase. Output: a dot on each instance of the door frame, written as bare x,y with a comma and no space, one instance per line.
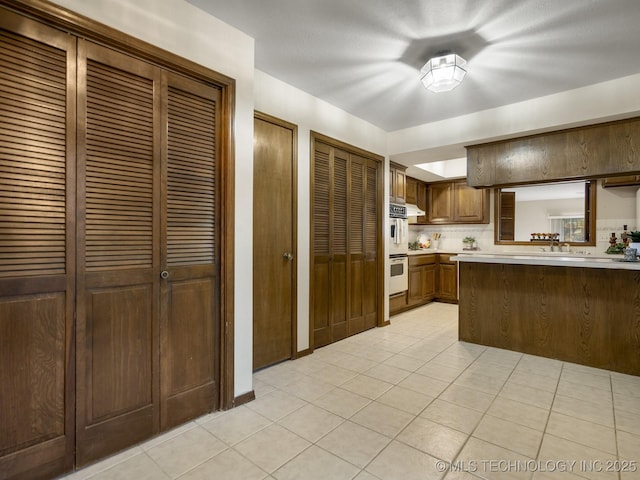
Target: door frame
84,27
315,136
294,221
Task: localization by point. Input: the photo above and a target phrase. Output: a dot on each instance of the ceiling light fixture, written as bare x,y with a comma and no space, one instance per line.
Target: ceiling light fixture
443,73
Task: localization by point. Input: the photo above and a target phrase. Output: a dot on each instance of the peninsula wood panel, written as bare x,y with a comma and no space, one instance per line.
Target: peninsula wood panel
37,242
587,316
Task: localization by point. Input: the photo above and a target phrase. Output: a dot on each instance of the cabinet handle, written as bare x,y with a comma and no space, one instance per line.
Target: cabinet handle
164,274
287,255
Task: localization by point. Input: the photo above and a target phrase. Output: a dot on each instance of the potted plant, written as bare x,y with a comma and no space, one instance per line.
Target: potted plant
469,243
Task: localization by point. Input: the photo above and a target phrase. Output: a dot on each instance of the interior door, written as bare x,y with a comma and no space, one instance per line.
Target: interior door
118,251
274,259
37,244
190,251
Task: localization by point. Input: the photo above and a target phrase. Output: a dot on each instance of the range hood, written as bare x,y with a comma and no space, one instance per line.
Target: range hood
414,211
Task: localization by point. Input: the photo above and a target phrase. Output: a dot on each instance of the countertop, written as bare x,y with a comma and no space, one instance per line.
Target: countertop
427,251
560,259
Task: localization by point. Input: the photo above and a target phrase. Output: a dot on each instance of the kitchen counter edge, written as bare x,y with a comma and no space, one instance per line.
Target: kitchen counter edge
557,261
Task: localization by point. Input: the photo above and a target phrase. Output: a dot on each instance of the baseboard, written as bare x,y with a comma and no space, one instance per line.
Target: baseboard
303,353
244,398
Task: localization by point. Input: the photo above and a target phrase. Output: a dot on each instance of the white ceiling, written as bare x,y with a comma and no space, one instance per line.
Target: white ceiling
364,56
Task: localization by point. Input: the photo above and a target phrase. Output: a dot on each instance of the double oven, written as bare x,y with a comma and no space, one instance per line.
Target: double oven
398,249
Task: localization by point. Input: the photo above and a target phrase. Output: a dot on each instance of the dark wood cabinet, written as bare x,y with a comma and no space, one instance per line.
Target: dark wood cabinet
621,181
447,279
455,202
441,203
607,149
411,190
422,279
346,203
417,195
432,276
397,183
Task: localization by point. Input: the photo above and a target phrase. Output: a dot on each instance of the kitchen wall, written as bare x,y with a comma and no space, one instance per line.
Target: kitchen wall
615,207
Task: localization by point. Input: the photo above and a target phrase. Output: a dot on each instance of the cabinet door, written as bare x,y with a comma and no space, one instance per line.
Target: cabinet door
422,202
400,186
428,280
440,202
412,190
415,285
470,204
448,284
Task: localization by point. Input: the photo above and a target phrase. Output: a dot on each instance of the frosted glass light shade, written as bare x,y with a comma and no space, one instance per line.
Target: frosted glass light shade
441,74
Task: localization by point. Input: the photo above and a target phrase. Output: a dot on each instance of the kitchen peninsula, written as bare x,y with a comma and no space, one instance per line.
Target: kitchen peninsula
577,309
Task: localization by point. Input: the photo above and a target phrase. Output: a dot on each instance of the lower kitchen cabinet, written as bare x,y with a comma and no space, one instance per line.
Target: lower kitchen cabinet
431,277
422,279
447,279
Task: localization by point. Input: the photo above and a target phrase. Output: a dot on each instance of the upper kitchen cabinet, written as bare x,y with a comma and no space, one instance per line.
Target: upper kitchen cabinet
601,150
397,183
417,195
456,202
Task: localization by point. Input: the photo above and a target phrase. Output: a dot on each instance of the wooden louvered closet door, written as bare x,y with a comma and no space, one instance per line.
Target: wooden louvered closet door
363,251
118,251
189,380
147,309
345,225
37,269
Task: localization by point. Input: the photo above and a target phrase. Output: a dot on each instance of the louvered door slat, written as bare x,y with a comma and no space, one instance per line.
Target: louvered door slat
356,209
371,212
32,157
116,129
339,197
321,201
190,186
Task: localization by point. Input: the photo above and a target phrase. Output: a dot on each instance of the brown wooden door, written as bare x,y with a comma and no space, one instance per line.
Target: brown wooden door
363,241
330,294
189,324
346,236
147,251
37,244
118,251
274,252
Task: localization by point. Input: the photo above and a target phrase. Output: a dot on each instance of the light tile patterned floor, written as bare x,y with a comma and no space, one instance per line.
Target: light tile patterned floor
406,402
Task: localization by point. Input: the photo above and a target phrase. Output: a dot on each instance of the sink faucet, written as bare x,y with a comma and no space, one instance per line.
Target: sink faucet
553,242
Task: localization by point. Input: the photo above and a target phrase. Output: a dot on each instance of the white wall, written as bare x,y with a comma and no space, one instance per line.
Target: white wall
310,113
615,99
181,28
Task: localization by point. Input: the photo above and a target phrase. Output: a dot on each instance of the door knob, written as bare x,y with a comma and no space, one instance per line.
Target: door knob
164,274
287,255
